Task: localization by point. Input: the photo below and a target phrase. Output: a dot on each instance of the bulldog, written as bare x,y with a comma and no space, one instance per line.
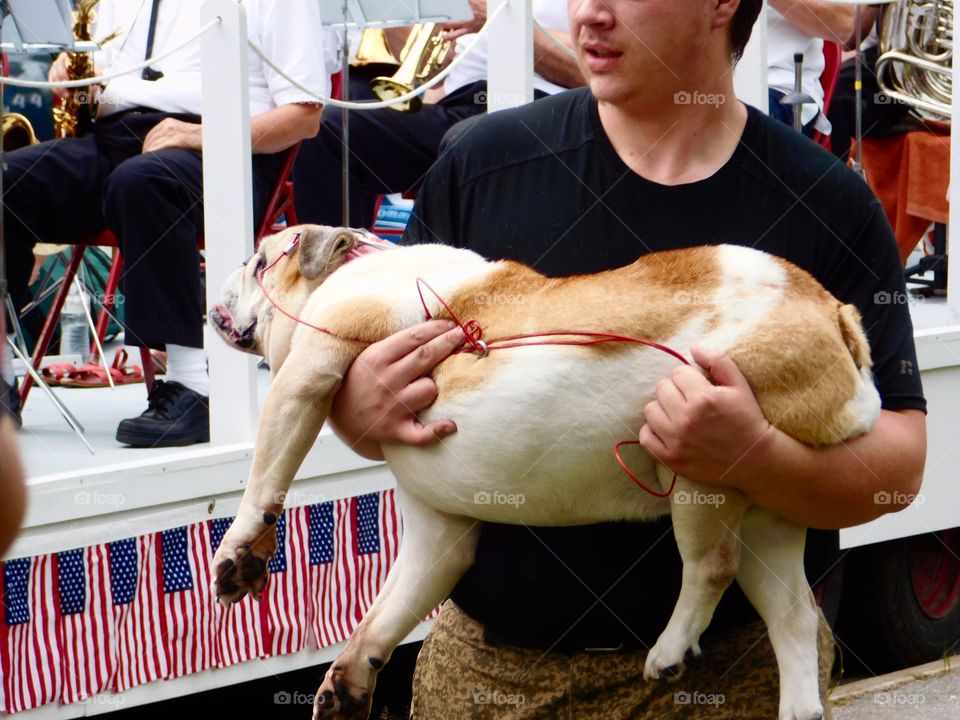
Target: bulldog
310,300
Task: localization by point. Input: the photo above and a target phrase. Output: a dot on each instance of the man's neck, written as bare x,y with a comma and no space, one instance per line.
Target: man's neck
682,140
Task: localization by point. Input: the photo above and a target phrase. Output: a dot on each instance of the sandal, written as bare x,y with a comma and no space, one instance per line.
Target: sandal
57,372
93,375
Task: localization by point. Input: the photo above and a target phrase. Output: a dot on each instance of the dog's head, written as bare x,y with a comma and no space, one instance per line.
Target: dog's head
245,314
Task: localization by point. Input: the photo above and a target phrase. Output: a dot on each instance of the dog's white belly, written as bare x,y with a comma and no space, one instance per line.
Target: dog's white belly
535,442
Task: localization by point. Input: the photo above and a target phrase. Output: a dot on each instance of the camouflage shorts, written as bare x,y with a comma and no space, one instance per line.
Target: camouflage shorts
459,676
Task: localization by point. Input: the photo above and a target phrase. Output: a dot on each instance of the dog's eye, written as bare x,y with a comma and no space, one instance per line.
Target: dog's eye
261,262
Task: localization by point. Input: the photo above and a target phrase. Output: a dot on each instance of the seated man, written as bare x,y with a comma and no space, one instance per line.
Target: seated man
392,150
139,173
801,26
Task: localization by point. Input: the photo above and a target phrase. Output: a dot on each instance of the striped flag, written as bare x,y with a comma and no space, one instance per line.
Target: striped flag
29,651
186,604
87,633
141,649
237,635
376,540
322,574
285,599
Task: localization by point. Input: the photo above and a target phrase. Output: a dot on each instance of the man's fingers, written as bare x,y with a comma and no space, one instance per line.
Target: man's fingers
414,433
401,344
424,358
418,395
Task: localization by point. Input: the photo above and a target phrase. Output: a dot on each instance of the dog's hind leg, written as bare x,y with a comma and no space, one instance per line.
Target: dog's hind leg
706,523
773,579
296,407
435,551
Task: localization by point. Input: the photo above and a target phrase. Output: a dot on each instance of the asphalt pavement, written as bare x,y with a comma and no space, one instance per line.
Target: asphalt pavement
928,692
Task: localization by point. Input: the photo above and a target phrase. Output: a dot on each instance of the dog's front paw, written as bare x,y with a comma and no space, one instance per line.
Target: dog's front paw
341,698
666,658
240,563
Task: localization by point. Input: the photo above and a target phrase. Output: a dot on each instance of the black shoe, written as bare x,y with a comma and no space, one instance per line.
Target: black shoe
10,402
175,416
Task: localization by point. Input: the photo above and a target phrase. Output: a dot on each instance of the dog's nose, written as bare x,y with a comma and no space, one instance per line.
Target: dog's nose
216,316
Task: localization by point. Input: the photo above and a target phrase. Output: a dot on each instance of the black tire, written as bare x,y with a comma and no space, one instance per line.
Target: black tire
901,602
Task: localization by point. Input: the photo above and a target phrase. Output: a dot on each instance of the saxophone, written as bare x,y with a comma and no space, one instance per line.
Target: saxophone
74,114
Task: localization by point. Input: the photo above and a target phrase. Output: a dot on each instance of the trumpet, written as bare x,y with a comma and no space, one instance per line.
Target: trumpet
423,56
915,66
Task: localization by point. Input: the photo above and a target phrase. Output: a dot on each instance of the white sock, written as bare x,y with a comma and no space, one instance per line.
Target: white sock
6,365
188,366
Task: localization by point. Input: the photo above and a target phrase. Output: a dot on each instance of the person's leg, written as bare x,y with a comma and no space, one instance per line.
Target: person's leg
52,193
459,674
153,203
390,152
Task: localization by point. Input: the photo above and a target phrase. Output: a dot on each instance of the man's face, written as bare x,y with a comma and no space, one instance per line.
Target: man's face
632,49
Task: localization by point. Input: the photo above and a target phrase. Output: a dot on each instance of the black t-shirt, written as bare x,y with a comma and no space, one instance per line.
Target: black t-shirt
543,185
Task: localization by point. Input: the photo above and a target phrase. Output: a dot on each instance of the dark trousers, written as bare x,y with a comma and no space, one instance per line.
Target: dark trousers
880,114
63,191
784,113
390,152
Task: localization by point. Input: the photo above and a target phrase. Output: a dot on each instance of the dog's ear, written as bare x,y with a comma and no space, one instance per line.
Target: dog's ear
322,249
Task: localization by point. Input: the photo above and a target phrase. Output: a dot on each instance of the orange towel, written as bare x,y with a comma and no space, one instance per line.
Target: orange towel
910,174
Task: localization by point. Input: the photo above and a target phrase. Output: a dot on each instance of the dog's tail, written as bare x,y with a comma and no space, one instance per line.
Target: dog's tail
851,330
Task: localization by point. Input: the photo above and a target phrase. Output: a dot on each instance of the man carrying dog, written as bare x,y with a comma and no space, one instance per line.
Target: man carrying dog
556,622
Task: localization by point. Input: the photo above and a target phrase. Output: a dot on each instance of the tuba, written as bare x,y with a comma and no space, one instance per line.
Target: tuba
424,55
915,66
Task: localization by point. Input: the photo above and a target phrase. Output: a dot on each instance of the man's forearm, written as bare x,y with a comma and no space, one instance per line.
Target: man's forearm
553,63
280,128
818,18
838,485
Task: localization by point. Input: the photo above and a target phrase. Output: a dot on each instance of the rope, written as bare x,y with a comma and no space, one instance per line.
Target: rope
104,79
440,77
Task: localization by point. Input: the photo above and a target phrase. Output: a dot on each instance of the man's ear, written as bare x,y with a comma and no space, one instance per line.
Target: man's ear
322,249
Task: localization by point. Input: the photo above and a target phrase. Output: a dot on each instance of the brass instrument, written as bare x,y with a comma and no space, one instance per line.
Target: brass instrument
17,132
374,52
915,66
424,55
74,115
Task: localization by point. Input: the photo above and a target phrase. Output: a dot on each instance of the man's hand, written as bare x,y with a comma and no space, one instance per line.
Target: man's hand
387,386
58,73
453,30
173,133
701,428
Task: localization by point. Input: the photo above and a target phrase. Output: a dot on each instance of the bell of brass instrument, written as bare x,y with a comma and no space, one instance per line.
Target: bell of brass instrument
17,132
915,66
374,52
423,55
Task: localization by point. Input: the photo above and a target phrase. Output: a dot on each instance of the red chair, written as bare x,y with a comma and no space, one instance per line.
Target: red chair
279,206
832,53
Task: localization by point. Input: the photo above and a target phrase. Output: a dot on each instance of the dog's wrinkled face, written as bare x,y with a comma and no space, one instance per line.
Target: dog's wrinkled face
244,315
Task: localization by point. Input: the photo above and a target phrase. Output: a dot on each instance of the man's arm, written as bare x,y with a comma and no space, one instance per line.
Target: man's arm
271,131
550,62
819,18
713,431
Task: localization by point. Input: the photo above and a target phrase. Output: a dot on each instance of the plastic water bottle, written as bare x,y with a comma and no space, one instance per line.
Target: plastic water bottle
74,333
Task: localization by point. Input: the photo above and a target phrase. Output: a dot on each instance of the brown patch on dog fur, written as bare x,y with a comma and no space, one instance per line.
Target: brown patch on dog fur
801,379
642,300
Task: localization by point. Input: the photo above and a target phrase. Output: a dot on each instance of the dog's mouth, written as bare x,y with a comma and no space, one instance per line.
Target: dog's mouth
221,320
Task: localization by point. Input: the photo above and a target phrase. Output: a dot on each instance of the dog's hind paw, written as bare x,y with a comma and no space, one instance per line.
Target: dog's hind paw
240,563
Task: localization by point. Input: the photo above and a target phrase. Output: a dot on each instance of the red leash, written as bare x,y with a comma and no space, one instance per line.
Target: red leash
473,333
